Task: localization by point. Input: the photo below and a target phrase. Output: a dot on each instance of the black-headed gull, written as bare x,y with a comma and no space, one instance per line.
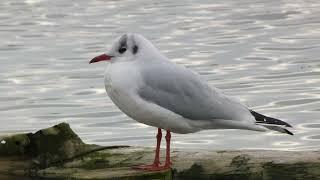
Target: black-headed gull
151,89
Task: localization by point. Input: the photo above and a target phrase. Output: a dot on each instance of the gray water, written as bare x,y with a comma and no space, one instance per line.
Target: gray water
265,53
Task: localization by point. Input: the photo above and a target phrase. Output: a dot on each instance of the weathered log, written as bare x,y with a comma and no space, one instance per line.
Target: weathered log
59,153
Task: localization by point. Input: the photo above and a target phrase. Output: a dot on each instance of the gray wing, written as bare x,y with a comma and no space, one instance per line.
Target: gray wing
178,89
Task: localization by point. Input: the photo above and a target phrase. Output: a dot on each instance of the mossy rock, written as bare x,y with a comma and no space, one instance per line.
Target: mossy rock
14,145
58,153
46,146
55,144
58,140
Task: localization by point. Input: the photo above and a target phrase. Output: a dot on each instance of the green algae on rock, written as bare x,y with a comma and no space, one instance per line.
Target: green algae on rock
14,145
57,152
46,146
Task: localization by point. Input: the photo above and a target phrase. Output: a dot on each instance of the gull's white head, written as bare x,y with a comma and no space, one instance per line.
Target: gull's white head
127,47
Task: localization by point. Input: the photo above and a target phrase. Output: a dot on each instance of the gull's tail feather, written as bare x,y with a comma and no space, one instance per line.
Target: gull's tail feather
271,123
276,128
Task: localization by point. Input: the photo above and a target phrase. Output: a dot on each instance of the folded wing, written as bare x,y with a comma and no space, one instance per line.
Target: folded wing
179,90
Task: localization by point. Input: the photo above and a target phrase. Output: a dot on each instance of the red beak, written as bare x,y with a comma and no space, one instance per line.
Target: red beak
102,57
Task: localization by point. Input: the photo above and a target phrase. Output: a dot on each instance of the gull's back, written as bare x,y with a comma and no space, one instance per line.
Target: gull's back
180,90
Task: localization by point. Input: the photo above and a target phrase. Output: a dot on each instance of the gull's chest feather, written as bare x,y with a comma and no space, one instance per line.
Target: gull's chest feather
122,77
121,82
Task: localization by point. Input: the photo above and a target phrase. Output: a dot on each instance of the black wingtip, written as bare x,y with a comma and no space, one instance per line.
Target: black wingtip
288,132
285,123
288,125
260,118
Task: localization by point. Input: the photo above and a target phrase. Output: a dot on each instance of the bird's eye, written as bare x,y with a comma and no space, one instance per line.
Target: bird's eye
122,50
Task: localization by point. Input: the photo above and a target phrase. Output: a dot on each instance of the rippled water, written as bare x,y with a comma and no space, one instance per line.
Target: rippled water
265,53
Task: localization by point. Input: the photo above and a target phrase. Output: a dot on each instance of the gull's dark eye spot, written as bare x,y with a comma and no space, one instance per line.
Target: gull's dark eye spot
135,49
122,50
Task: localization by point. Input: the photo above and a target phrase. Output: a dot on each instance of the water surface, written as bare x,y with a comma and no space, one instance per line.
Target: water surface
264,53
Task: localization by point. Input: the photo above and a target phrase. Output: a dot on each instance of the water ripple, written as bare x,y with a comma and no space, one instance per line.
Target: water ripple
264,53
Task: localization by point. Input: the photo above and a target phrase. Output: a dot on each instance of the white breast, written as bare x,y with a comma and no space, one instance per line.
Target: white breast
122,80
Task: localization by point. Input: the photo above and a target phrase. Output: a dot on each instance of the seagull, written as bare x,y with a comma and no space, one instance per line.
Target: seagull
151,89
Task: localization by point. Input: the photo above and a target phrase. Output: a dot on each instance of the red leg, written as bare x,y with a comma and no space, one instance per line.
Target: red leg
167,165
156,163
157,156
